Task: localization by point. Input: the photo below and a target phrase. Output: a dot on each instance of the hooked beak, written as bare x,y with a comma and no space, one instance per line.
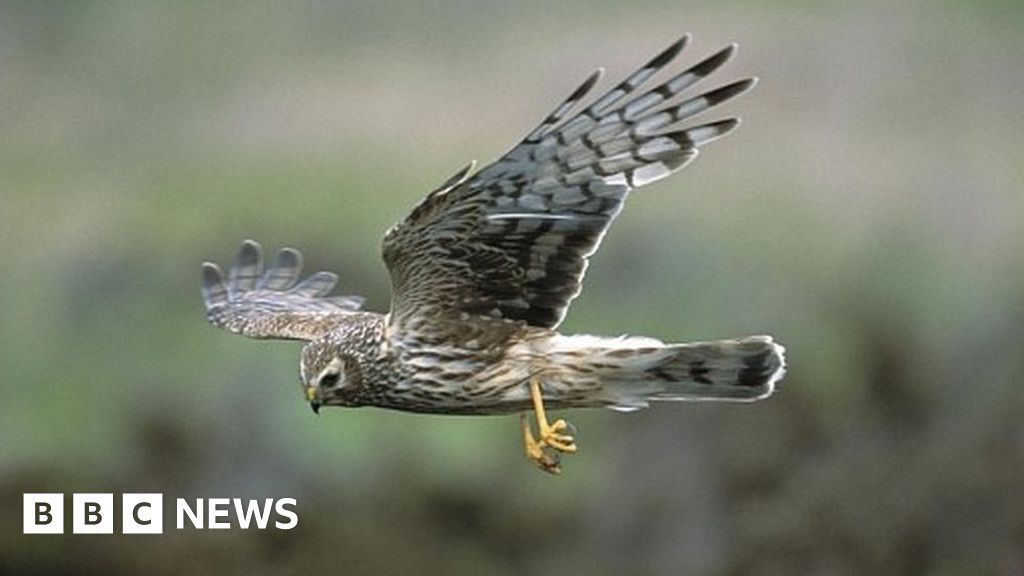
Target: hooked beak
314,401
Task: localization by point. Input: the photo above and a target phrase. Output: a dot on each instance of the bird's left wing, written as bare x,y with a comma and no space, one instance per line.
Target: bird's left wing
272,303
512,241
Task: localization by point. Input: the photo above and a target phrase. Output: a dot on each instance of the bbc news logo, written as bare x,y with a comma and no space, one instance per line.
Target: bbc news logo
144,513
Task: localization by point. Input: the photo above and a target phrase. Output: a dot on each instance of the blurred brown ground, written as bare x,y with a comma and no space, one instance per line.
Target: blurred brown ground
868,214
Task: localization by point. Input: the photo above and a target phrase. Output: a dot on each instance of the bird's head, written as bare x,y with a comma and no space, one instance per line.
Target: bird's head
329,376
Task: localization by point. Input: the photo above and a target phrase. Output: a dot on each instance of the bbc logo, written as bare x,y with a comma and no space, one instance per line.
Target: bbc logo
93,514
143,513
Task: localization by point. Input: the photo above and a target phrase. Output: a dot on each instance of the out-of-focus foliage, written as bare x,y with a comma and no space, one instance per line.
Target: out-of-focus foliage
869,214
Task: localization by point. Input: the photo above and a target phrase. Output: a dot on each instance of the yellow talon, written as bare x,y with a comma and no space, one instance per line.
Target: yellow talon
548,462
543,451
556,439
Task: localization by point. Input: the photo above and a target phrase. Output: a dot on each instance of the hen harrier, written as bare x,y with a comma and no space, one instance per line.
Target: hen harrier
484,268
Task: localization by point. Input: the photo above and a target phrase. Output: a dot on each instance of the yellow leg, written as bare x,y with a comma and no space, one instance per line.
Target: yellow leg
551,435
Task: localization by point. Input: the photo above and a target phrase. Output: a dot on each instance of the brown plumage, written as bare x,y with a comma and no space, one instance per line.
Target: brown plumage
484,268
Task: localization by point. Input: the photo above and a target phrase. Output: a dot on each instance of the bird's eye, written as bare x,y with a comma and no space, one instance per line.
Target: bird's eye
330,379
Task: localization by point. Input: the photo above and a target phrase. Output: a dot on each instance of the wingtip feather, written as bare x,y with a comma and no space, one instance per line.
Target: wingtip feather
701,135
214,290
669,54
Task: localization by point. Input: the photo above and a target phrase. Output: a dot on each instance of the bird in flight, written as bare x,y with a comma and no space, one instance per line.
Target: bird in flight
483,271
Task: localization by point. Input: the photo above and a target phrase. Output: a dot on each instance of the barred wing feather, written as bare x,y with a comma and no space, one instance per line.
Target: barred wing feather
512,241
273,303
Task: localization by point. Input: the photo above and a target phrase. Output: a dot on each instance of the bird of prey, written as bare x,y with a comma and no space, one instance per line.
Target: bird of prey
483,270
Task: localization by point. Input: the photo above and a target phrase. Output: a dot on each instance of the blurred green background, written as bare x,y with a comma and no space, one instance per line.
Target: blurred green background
869,214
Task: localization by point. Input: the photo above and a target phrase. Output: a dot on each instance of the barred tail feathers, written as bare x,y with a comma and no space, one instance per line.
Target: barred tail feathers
633,371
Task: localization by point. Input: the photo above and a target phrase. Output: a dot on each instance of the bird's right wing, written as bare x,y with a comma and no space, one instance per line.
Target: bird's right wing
273,303
511,242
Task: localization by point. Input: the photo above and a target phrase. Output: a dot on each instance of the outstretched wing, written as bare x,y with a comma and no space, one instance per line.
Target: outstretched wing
273,303
513,240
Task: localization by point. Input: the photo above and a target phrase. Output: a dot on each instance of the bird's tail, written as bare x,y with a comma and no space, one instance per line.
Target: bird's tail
627,373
